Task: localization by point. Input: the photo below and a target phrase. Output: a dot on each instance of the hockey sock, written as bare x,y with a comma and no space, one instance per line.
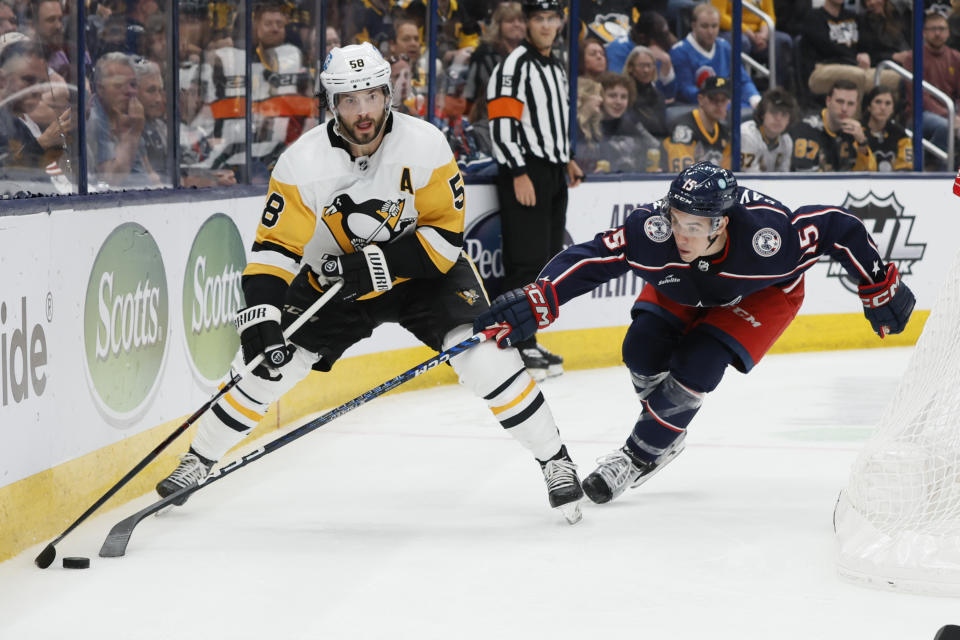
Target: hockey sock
498,376
519,406
666,413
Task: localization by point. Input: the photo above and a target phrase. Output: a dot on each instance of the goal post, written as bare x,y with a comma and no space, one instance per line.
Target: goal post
898,520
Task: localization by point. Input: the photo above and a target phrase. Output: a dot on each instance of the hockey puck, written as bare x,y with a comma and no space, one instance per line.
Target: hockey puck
949,632
76,562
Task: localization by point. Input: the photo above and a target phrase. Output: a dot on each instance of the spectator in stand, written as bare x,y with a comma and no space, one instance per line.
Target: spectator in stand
625,143
650,30
332,40
953,20
891,145
403,99
407,42
765,145
649,106
8,17
25,150
701,135
370,21
700,55
882,30
139,13
507,29
195,140
153,98
834,140
593,59
48,30
941,68
831,40
755,35
115,127
589,114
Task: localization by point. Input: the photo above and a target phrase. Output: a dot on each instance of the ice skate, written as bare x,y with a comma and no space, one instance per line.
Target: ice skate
190,471
621,469
563,485
535,362
554,362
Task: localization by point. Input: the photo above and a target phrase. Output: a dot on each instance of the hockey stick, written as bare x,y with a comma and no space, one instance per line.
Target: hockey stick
49,553
119,537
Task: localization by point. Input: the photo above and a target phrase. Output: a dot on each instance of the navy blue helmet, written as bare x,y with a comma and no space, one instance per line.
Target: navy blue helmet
703,189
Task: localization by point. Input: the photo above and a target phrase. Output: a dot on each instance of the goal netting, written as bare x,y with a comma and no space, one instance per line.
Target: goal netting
898,520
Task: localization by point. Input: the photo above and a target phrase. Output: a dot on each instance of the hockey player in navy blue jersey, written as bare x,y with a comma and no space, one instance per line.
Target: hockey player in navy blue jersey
724,269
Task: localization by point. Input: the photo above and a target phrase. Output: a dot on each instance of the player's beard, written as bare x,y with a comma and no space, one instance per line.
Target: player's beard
363,137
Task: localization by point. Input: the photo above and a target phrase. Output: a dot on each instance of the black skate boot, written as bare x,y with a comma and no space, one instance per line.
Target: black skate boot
191,470
554,362
536,364
621,469
563,485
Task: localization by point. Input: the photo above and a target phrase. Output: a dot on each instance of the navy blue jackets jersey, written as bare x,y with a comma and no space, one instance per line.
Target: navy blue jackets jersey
767,245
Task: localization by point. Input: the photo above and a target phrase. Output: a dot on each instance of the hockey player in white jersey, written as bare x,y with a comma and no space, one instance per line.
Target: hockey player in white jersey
373,199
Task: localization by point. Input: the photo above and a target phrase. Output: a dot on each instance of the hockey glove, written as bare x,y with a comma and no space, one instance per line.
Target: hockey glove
888,304
361,272
520,313
260,333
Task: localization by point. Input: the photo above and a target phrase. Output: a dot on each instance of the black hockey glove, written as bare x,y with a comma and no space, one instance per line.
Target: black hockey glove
888,304
260,333
520,313
361,272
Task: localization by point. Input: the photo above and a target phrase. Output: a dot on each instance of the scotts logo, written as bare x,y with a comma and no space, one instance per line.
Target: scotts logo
886,221
125,322
212,296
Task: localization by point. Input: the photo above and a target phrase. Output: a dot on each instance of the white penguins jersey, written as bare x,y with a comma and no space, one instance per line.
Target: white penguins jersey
756,155
407,197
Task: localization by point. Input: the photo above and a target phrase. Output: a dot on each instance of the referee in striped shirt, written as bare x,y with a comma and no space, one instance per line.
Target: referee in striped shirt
528,103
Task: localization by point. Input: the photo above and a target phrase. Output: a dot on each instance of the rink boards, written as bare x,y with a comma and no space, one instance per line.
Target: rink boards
115,322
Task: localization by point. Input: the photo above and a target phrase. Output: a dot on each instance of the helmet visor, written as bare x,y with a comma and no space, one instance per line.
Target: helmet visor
692,226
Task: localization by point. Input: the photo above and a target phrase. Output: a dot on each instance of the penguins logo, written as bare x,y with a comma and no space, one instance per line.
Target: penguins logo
470,296
358,224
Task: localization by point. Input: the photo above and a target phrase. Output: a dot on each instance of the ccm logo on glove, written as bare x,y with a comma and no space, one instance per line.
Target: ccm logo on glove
887,304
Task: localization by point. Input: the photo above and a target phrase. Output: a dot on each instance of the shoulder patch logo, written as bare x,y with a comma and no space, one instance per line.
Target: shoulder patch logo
657,228
766,242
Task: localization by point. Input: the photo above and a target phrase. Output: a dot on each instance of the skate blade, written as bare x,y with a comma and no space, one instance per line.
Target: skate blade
571,512
555,370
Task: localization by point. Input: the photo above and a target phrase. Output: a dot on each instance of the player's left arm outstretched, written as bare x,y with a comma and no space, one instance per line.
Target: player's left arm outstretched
887,301
580,268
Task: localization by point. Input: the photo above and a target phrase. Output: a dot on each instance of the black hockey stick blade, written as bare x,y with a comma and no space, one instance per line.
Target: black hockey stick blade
115,546
117,540
46,557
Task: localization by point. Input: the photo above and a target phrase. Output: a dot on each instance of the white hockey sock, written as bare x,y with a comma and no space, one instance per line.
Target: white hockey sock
498,376
214,437
521,409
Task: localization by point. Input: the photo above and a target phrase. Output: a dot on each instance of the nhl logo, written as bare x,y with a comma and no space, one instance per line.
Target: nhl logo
657,228
703,265
766,242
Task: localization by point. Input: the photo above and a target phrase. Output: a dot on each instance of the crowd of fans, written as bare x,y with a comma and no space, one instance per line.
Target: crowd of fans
653,84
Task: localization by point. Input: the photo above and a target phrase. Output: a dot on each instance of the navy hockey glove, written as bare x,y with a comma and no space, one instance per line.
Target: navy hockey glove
520,313
361,272
260,333
888,304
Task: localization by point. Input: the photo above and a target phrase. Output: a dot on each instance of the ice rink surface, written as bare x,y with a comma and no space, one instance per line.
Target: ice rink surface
416,516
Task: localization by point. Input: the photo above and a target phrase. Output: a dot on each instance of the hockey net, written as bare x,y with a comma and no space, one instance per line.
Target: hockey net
898,520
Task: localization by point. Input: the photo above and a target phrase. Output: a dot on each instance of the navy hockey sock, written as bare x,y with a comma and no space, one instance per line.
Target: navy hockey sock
666,413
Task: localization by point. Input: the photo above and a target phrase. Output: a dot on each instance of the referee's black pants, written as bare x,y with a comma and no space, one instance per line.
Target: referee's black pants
532,235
